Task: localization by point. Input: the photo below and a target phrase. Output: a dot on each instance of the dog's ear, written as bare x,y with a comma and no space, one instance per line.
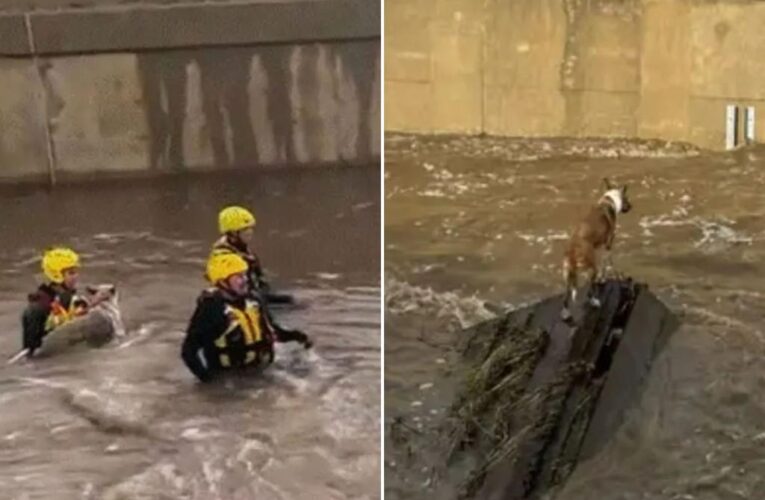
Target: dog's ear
91,290
607,184
624,189
113,289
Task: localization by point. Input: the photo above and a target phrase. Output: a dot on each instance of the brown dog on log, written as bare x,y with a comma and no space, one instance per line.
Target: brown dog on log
592,238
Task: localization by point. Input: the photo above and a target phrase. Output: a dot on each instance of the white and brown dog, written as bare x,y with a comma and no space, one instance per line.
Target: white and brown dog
589,249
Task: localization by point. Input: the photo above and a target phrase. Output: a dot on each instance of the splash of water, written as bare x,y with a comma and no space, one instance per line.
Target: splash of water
403,298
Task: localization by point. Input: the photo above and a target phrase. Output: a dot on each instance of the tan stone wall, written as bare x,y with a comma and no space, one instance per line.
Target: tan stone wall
630,68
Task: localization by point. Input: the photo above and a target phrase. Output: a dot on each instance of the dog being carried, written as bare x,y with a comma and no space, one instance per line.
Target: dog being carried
98,326
58,314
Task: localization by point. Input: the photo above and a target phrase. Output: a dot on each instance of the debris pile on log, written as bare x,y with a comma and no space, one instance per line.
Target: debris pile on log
542,394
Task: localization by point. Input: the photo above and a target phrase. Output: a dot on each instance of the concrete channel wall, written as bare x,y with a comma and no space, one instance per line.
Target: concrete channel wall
163,86
662,69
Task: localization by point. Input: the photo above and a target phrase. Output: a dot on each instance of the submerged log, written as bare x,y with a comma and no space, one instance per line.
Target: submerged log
544,394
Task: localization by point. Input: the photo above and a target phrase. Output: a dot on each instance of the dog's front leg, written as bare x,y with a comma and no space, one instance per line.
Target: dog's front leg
608,264
600,273
592,298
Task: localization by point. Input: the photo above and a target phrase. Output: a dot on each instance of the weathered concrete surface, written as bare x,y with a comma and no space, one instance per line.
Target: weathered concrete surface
14,6
522,79
22,132
661,69
144,26
199,107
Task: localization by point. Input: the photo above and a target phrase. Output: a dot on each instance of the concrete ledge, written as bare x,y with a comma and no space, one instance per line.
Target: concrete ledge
9,184
154,27
13,34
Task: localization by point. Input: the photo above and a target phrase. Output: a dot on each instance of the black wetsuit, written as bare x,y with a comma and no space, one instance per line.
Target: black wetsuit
255,275
259,288
35,316
210,321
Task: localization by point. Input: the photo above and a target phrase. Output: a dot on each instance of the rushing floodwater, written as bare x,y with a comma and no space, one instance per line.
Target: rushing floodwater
472,224
129,421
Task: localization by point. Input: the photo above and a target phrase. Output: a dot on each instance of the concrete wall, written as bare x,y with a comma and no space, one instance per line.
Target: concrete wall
188,89
632,68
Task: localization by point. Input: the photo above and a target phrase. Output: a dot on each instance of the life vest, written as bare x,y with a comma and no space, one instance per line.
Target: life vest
244,340
59,314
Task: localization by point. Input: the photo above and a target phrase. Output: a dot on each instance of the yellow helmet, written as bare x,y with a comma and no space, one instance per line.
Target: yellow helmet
222,265
56,261
235,219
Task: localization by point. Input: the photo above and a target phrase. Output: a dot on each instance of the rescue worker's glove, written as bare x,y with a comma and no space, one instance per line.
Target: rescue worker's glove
303,338
290,335
279,298
307,342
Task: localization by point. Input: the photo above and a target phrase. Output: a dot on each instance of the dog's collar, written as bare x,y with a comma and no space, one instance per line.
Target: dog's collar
615,197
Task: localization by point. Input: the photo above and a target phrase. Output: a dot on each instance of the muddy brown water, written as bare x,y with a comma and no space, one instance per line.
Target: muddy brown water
128,421
474,224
